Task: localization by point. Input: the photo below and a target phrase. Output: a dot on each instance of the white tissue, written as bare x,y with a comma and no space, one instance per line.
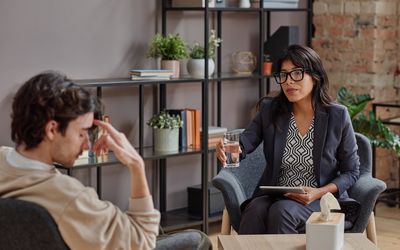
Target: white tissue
328,202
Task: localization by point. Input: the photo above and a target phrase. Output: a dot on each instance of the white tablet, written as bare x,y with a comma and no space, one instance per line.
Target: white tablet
282,190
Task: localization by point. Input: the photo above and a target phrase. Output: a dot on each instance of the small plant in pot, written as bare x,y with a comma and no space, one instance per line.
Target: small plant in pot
165,131
196,63
170,49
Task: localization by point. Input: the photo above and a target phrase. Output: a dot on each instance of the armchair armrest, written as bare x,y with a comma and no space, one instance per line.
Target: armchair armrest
233,194
366,191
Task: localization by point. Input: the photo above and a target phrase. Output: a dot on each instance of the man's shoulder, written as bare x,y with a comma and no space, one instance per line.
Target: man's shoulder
5,149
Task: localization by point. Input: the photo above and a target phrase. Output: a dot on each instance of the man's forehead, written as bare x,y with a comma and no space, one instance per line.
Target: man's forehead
84,121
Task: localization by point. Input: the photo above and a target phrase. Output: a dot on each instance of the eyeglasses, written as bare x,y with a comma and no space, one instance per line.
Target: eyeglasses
296,75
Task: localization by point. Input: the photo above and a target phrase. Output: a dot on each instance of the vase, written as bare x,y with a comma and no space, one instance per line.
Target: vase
172,65
267,68
196,67
166,140
243,62
244,4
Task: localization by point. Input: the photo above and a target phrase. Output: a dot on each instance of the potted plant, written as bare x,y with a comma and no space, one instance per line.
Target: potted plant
165,131
196,64
267,65
170,49
378,133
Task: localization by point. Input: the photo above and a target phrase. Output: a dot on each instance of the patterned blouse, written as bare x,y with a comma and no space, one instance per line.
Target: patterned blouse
297,163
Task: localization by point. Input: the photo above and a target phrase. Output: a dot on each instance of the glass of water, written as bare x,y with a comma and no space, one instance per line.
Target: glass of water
231,148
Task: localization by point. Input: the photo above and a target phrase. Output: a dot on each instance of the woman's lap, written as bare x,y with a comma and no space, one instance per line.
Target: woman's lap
265,214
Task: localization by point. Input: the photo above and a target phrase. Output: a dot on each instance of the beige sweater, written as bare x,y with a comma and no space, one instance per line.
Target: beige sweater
84,221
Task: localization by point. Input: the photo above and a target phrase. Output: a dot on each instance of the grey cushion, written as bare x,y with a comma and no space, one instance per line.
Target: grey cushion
238,184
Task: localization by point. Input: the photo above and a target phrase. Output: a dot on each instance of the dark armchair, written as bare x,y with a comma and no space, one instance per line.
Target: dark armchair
26,225
238,184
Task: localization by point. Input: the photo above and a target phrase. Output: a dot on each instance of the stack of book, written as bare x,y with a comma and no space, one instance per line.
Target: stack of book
189,133
192,3
151,74
215,134
278,4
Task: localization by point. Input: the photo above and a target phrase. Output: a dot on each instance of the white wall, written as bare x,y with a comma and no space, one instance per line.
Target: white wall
103,39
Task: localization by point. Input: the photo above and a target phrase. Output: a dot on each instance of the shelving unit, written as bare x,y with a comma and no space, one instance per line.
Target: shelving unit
178,219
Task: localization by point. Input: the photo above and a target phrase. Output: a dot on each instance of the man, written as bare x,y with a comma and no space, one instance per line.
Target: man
51,119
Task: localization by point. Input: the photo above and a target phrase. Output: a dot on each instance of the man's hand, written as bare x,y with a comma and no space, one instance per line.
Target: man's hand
119,144
126,154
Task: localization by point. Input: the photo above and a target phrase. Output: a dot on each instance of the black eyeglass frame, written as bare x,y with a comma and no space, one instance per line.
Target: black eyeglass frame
277,75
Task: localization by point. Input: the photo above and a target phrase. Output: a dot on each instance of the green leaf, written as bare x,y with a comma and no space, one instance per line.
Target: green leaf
379,134
171,47
164,120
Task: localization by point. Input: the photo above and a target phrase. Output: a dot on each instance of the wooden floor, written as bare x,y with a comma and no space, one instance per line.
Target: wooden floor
387,223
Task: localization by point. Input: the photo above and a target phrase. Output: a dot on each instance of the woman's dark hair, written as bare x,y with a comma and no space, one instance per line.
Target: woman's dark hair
44,97
306,58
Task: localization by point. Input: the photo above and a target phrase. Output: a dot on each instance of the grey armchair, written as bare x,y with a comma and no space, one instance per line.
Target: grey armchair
238,184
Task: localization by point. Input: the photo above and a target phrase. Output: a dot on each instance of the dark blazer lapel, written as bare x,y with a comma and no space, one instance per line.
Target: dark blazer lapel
279,144
320,130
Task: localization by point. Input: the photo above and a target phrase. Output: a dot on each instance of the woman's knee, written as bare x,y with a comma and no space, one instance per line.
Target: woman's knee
257,208
283,209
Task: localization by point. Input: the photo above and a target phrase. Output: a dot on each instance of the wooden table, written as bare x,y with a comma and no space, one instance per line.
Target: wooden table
285,242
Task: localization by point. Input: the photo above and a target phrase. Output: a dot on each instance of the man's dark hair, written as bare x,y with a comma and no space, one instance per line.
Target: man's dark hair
44,97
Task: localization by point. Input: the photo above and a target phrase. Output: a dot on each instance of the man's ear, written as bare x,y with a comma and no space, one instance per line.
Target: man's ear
51,129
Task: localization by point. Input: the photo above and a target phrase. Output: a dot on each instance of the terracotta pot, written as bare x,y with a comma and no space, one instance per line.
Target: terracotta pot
171,64
267,68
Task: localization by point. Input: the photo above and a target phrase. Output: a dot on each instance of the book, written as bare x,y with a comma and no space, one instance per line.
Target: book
212,141
192,3
196,119
281,4
151,72
140,78
189,128
212,130
182,130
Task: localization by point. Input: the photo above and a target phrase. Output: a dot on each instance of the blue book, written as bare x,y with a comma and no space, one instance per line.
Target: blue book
182,130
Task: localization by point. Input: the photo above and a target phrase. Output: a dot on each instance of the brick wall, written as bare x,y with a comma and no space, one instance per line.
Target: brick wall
359,42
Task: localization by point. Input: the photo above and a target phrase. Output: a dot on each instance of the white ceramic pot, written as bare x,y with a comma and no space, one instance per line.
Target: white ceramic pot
166,140
195,67
244,4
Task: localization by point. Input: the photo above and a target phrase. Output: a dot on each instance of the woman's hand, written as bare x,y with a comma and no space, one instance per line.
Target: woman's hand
221,152
311,195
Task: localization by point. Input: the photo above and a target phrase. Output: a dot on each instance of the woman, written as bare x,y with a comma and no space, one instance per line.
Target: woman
308,141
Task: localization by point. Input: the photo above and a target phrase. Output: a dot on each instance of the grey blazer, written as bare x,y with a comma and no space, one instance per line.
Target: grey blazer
334,153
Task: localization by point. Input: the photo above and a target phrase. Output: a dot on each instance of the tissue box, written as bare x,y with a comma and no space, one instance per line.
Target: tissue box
327,235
